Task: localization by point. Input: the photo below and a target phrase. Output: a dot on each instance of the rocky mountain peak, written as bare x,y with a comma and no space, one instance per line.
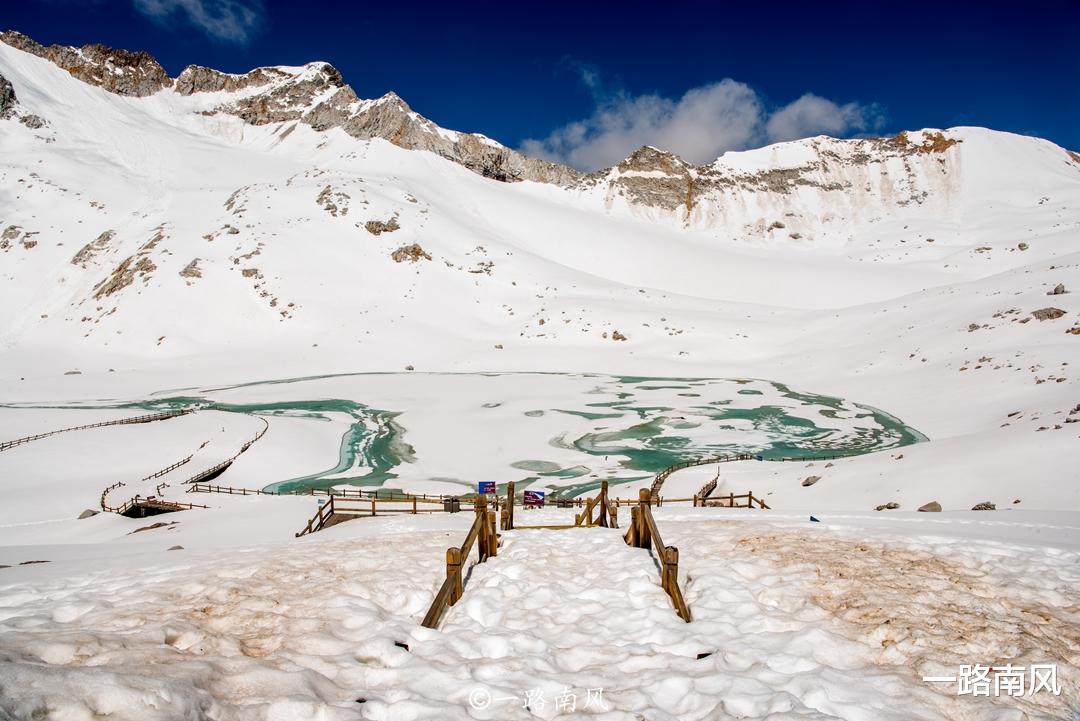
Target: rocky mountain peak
649,159
123,72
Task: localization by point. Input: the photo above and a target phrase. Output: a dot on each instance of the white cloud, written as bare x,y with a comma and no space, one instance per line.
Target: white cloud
699,126
229,20
813,115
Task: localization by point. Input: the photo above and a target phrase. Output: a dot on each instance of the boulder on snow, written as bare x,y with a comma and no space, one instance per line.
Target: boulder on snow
932,507
1059,289
811,480
88,513
411,253
1047,313
891,505
984,506
176,548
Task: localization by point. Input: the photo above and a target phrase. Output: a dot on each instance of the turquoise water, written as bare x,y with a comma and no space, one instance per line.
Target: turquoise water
639,426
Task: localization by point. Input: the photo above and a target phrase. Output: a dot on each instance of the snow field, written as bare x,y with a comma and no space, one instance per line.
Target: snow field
838,621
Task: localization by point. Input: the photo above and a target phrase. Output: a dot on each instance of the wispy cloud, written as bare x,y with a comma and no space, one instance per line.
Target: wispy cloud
699,126
234,21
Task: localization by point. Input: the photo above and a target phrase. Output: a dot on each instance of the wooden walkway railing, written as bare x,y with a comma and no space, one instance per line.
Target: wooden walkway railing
159,504
662,476
731,500
194,479
606,511
164,415
643,533
339,509
482,530
118,484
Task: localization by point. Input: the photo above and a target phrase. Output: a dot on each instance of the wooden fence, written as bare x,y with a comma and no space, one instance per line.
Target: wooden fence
164,415
662,476
194,479
482,530
606,511
118,484
643,533
338,509
731,500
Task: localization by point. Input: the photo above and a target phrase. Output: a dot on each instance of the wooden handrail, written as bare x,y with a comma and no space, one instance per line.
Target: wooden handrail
482,530
643,533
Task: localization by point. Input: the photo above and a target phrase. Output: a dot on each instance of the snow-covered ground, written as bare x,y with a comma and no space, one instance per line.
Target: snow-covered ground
153,256
837,620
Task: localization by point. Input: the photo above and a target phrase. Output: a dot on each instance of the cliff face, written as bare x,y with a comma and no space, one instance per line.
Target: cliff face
799,190
122,72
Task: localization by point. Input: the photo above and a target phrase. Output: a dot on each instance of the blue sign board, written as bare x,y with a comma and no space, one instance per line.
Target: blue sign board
533,499
485,487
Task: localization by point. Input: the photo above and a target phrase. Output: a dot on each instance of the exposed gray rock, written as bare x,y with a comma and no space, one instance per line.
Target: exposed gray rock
119,71
1059,289
191,270
412,253
197,79
931,507
378,227
890,506
176,548
811,480
7,98
91,249
34,122
984,506
1047,313
88,513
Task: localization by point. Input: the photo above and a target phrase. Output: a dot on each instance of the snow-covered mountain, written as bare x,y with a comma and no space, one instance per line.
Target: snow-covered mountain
160,231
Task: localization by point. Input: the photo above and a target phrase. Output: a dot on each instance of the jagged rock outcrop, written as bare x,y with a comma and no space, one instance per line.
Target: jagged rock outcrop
198,79
651,177
7,98
119,71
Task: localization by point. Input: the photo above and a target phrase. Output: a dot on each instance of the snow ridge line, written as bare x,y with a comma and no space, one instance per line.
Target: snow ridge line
162,416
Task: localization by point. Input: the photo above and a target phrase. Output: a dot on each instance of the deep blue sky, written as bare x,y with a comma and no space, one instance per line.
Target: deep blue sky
513,71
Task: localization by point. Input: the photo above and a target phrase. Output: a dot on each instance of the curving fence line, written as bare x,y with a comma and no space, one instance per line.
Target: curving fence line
214,470
164,415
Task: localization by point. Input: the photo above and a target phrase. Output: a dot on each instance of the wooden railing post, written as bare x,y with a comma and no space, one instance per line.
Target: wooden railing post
480,506
453,571
509,506
643,536
493,537
604,504
614,511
